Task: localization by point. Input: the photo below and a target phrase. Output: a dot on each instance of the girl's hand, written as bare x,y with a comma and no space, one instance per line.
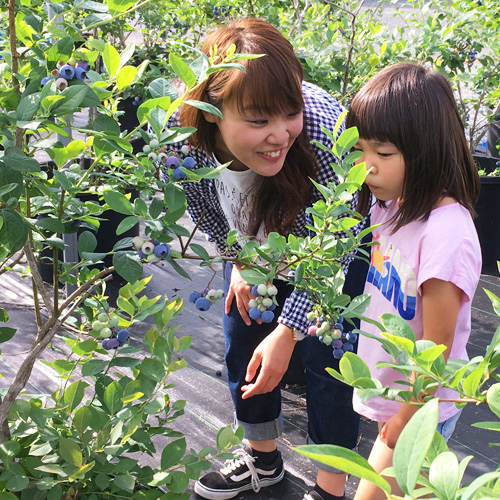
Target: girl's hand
240,291
272,355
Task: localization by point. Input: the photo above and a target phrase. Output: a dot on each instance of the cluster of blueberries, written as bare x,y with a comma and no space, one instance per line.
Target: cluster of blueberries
332,334
157,154
222,11
264,303
137,101
65,72
151,250
106,327
203,300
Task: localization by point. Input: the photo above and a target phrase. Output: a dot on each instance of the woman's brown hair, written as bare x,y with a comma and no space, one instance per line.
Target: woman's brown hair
414,108
271,84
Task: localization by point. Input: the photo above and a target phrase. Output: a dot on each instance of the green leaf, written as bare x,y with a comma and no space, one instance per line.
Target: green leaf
183,71
13,232
127,224
17,160
473,487
117,7
173,453
162,88
110,55
204,106
397,326
87,242
128,265
155,208
126,75
152,369
28,107
112,397
70,452
200,251
353,367
82,419
444,475
60,51
493,399
118,202
93,367
74,98
9,450
345,460
73,395
412,445
6,333
126,483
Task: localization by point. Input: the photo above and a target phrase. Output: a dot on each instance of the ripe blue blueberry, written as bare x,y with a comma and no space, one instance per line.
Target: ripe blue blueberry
338,353
267,316
80,73
202,304
67,72
179,174
45,80
337,344
189,162
194,296
254,291
123,335
104,344
113,343
348,347
254,313
351,337
84,65
172,162
339,326
162,250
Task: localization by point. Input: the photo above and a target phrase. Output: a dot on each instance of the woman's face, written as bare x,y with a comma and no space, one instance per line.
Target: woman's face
255,140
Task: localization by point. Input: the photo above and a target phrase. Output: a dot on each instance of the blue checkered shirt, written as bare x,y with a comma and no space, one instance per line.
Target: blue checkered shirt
321,109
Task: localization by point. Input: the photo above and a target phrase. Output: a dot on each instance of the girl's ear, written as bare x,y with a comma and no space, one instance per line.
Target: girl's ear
210,117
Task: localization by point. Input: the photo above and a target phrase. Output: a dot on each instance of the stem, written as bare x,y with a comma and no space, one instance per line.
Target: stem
183,250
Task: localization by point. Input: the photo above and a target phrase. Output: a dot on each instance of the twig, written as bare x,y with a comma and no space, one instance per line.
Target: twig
191,236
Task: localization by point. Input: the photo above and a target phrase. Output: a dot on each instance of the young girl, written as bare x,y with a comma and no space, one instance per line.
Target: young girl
427,264
269,118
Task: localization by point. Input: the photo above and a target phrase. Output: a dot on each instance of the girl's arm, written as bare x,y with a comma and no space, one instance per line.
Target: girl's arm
440,305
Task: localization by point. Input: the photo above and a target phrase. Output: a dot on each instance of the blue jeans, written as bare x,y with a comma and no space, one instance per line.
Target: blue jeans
447,427
331,419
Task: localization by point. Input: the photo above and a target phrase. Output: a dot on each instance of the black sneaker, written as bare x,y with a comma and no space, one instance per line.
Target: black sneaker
240,474
312,495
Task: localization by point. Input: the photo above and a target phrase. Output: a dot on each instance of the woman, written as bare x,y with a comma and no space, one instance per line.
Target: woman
269,118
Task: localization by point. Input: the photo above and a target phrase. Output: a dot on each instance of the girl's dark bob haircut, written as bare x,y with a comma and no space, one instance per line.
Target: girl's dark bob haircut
414,108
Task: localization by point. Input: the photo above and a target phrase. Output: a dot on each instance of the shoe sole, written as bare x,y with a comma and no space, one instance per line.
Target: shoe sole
210,494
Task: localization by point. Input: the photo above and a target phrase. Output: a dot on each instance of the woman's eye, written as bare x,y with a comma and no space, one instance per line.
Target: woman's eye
258,122
385,155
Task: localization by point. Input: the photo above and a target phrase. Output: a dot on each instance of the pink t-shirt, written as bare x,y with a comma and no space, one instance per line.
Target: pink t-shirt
445,247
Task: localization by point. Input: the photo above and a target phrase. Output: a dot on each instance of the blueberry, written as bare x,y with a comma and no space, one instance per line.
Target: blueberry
189,162
272,307
337,344
338,353
254,291
45,80
179,174
162,250
218,373
123,335
339,326
172,162
348,347
84,65
193,297
351,337
104,344
254,313
202,304
80,73
113,343
267,316
67,72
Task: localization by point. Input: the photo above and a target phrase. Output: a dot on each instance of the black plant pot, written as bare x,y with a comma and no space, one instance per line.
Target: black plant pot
106,238
488,223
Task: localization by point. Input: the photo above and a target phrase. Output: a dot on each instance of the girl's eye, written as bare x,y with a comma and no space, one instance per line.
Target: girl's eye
385,155
295,113
260,121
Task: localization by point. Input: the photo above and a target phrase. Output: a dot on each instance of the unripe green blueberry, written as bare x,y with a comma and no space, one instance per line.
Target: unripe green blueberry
266,301
138,242
97,326
325,325
311,316
336,333
148,247
261,308
146,148
114,321
327,339
272,290
262,289
220,293
252,303
154,143
152,258
185,150
103,317
106,333
152,156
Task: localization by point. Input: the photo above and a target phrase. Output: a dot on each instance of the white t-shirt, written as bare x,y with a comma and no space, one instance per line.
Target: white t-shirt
234,189
445,247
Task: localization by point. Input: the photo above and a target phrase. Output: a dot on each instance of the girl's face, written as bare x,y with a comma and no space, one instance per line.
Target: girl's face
386,177
255,140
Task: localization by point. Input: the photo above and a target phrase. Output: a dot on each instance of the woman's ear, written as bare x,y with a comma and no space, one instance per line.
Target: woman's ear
210,117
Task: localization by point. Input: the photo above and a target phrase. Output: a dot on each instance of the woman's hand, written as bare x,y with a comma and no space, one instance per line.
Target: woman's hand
240,291
272,355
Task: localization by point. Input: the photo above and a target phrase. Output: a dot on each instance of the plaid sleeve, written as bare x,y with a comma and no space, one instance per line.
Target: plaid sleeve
321,110
202,201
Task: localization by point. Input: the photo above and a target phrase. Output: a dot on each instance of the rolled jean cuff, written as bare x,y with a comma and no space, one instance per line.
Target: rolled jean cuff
262,431
323,466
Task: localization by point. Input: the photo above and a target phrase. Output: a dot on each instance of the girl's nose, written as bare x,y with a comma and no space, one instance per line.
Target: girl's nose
279,133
